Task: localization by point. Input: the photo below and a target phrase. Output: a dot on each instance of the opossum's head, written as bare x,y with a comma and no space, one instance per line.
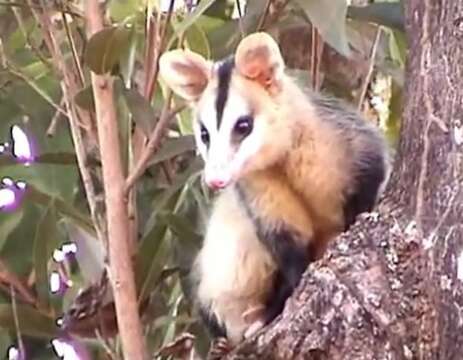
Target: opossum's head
238,128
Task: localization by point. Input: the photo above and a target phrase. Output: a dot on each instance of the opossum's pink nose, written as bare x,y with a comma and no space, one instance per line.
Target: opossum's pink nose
217,184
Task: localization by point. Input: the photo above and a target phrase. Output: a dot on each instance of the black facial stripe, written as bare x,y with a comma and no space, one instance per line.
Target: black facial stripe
224,75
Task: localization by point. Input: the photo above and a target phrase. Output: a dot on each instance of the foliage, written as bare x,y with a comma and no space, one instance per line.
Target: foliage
171,202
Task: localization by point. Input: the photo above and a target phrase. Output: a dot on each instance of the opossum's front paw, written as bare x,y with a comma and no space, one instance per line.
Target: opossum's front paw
253,328
219,348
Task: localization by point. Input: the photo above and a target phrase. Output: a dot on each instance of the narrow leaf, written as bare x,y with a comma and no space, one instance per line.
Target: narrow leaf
398,47
61,206
90,254
106,47
31,322
151,258
153,249
142,112
197,40
224,39
8,222
181,227
46,240
388,14
191,18
329,17
179,181
174,147
84,98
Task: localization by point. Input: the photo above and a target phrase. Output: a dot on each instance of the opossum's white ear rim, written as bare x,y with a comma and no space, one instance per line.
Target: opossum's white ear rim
258,58
185,72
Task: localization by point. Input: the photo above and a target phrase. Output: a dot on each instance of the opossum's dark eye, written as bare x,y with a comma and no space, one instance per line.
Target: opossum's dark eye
243,126
204,135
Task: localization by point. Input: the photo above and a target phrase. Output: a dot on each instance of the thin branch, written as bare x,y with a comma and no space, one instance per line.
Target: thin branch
10,278
264,16
82,161
156,38
152,80
317,47
240,17
22,28
153,143
54,120
121,272
106,347
21,348
275,10
33,6
152,31
13,70
77,118
36,88
75,56
366,81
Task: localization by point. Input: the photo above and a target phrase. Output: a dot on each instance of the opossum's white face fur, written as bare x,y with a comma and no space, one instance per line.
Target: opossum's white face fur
237,126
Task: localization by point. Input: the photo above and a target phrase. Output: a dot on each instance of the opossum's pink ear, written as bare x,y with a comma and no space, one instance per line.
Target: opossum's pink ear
185,72
258,58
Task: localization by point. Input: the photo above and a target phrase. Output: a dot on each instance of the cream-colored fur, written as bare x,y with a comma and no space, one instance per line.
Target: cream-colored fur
234,268
311,159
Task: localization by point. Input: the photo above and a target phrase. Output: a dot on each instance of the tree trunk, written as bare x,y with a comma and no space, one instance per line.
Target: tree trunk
391,288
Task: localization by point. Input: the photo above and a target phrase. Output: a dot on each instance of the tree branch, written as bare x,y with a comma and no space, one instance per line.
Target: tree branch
121,271
153,143
83,143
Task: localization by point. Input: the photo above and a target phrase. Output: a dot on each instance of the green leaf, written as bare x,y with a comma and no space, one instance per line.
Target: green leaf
142,112
152,255
163,321
388,14
90,254
84,98
122,9
202,204
197,40
31,322
64,208
8,222
393,123
61,158
5,340
153,249
193,17
58,158
18,249
329,17
398,47
105,48
224,39
46,240
179,181
173,147
181,227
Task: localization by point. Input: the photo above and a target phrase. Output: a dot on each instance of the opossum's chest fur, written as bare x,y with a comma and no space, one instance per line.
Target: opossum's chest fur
235,269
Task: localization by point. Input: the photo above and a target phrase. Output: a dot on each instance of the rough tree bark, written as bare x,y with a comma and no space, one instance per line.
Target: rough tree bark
390,288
